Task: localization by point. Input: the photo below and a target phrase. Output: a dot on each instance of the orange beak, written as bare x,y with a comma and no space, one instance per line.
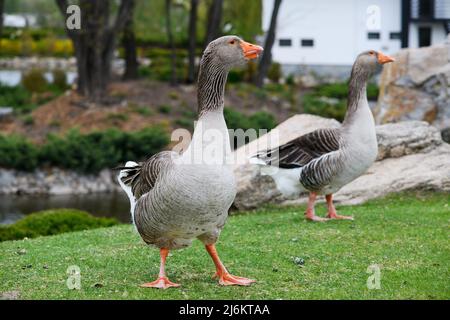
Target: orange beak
251,51
382,58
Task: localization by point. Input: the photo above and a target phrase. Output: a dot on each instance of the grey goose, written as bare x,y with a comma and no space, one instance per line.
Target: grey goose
325,160
176,198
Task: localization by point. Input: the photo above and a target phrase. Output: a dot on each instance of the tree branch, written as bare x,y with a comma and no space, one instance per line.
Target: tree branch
125,10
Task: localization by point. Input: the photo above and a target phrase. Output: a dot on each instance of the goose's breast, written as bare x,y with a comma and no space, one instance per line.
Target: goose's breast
357,157
187,203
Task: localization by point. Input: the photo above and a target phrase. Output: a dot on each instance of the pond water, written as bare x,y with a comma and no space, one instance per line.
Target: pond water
13,207
13,77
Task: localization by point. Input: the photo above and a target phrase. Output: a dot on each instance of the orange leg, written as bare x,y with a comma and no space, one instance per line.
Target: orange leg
332,210
162,282
225,278
310,213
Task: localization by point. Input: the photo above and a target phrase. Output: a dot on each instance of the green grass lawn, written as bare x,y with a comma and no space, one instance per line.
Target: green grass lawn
406,235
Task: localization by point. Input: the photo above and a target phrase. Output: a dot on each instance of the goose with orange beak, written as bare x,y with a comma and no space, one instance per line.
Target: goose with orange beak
176,198
325,160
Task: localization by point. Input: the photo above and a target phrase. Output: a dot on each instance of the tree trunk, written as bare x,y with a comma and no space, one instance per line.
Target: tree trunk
129,45
173,58
2,6
94,44
214,21
192,36
266,59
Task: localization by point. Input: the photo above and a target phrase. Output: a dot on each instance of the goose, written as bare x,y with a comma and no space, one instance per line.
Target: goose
325,160
178,197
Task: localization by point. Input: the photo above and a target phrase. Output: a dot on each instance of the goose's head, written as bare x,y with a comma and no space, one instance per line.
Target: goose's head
232,51
371,60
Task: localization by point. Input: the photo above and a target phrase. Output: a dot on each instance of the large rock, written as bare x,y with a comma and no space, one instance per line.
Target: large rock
416,87
411,155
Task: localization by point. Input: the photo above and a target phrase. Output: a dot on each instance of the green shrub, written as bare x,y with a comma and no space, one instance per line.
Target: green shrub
28,120
263,120
319,106
59,79
186,123
372,91
290,80
144,143
274,74
82,152
51,222
18,153
142,110
117,117
338,90
164,109
237,120
236,76
258,120
16,97
104,149
34,81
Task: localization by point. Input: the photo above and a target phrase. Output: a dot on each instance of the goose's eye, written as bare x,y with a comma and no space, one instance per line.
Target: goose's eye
371,53
232,41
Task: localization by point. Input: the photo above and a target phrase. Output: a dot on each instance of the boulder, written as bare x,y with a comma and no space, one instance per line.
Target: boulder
411,155
416,87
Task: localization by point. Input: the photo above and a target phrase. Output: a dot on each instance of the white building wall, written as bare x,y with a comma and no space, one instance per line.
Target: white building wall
437,33
338,28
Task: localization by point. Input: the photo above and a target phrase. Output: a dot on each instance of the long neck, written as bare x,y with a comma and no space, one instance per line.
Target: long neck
357,95
211,85
210,142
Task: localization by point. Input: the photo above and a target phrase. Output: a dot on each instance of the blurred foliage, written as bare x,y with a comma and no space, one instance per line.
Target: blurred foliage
59,79
258,120
26,46
240,17
18,153
330,100
34,80
95,151
87,153
51,222
16,97
23,101
327,108
275,74
339,90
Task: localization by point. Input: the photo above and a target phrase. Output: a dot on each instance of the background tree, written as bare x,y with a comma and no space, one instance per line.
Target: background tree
266,59
173,57
94,43
129,46
213,29
2,5
192,39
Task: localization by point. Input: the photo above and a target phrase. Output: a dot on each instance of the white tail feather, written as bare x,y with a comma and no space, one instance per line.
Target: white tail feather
126,188
287,180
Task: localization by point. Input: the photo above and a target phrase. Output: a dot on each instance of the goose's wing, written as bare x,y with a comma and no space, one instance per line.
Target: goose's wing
142,177
301,151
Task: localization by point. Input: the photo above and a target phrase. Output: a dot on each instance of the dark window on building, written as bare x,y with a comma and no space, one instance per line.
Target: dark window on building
395,35
307,42
426,8
373,35
285,42
424,36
